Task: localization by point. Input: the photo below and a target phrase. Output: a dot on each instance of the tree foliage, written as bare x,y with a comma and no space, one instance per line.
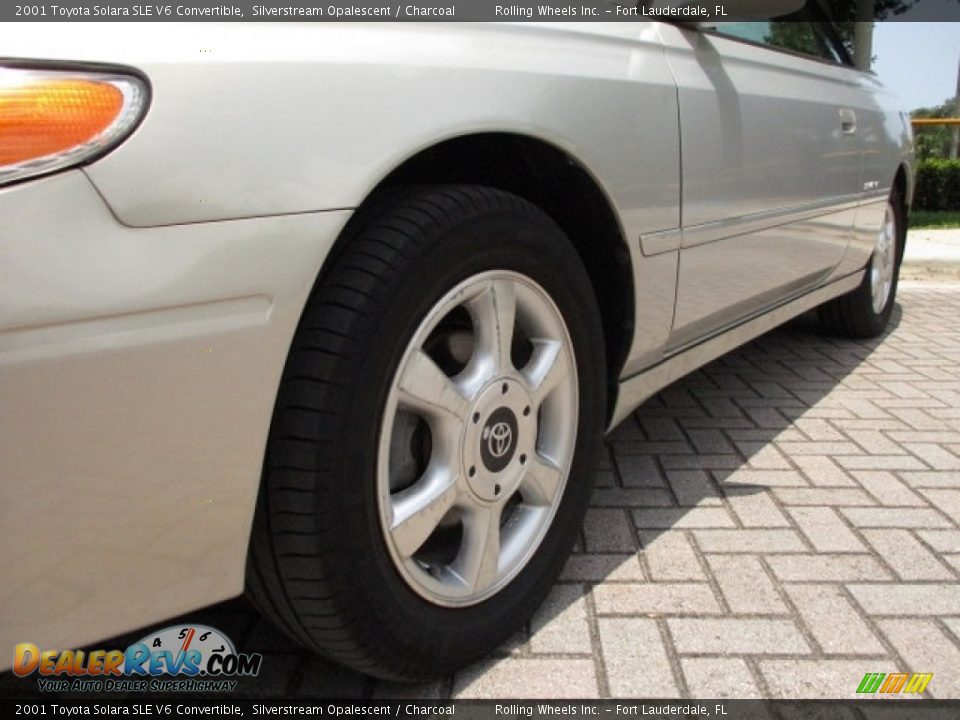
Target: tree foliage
844,13
938,185
933,141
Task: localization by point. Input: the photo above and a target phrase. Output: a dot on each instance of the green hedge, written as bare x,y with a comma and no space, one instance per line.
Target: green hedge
938,185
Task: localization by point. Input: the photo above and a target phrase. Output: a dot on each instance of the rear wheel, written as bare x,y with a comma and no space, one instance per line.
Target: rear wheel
866,311
429,460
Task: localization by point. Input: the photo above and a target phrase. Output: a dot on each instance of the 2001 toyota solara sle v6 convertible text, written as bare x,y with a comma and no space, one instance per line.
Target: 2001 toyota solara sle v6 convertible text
336,315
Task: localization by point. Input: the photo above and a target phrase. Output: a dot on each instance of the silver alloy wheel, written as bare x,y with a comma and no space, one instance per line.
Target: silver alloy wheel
474,456
884,263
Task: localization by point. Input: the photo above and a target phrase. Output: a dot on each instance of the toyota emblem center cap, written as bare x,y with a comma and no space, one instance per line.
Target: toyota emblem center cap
498,441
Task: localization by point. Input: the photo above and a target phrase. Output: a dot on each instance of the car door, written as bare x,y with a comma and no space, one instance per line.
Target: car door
771,167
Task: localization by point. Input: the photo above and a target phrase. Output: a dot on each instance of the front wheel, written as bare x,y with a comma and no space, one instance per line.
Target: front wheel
865,312
429,460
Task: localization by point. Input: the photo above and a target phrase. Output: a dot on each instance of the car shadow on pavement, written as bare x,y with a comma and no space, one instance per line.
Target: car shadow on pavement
698,457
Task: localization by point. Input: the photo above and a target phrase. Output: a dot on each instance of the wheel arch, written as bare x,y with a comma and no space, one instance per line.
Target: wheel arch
903,190
561,186
903,186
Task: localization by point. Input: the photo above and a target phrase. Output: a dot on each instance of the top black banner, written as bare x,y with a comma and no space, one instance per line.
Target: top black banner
679,11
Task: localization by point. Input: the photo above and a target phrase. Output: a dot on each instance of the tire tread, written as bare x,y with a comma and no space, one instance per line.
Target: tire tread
378,244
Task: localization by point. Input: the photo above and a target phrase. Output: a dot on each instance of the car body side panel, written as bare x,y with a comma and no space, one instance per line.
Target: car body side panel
251,120
138,373
761,128
278,118
770,181
888,145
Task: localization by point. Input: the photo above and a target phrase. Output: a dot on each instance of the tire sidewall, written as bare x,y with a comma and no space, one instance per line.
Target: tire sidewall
882,318
420,633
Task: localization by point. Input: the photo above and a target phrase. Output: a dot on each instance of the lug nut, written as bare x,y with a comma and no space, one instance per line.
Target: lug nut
476,418
472,471
505,388
526,411
496,489
523,459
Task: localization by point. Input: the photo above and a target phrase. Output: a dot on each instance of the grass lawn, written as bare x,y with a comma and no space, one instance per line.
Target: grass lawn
920,219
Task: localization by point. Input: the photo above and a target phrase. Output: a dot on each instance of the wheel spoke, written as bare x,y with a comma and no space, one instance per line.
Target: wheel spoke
424,387
540,483
477,564
547,368
418,510
443,530
494,313
883,267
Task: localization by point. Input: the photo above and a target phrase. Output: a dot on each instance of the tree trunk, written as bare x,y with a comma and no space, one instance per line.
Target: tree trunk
863,34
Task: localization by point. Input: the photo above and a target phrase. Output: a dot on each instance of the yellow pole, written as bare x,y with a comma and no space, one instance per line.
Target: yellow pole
935,121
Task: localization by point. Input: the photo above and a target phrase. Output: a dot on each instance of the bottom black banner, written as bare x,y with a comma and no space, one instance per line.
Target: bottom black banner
168,706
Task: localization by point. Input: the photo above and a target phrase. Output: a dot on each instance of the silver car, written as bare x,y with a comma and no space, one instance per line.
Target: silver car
336,314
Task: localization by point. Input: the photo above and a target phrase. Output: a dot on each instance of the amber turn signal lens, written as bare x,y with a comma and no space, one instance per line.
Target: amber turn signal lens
49,116
54,119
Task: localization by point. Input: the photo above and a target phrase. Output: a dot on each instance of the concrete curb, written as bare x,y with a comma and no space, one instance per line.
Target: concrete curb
932,256
932,248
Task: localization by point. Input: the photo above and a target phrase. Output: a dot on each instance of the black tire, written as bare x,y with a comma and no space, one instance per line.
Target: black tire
852,315
318,565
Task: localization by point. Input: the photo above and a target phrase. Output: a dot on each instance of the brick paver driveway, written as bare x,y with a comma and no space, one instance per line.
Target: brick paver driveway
777,524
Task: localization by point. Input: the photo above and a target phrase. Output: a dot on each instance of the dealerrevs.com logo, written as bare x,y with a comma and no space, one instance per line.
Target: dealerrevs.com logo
192,658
